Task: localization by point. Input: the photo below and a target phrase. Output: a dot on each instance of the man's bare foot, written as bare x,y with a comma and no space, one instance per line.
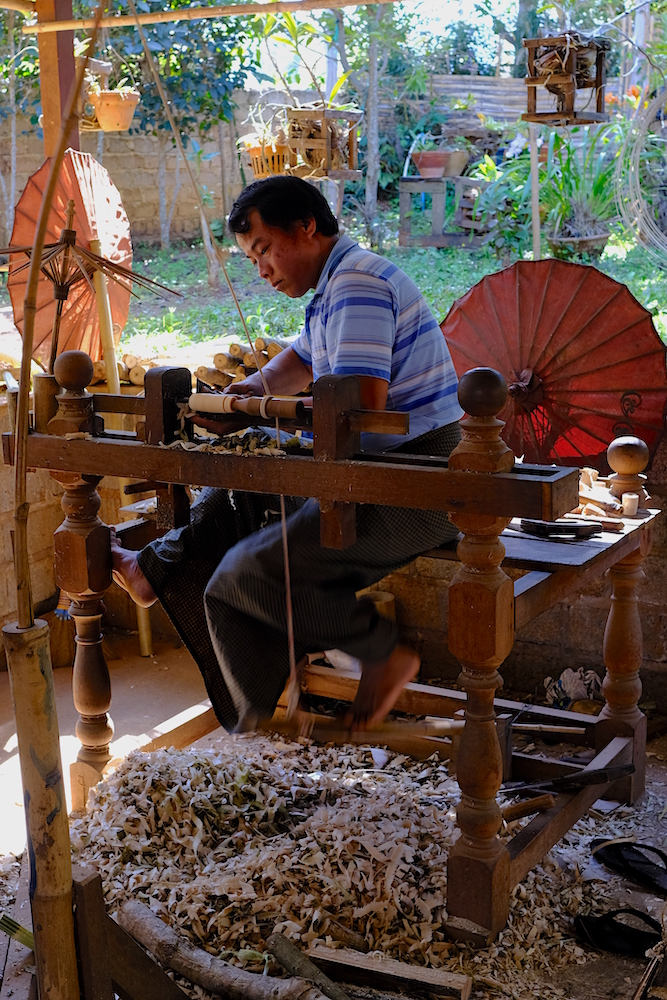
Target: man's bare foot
379,687
128,576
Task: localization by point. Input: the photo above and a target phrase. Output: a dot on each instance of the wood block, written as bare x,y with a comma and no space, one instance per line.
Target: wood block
345,965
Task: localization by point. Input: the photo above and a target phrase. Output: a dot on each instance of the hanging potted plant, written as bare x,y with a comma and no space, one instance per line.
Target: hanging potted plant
114,109
266,144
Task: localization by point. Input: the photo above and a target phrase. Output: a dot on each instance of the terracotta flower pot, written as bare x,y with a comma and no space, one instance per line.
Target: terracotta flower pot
439,163
114,109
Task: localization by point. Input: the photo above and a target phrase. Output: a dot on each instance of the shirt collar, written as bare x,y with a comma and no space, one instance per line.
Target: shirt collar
339,249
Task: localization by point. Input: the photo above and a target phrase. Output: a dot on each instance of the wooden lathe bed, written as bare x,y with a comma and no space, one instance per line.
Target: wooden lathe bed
481,488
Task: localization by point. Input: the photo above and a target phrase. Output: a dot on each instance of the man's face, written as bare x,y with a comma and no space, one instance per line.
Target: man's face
289,261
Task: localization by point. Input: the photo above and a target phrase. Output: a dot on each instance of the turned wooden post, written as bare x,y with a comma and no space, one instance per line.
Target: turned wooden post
481,633
623,647
82,553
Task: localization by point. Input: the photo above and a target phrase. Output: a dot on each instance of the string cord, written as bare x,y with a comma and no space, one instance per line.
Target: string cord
294,686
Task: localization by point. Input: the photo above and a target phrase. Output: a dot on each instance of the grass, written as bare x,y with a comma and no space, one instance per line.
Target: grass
204,315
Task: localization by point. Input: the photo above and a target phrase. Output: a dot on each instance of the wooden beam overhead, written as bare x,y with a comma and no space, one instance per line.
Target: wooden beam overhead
26,7
191,14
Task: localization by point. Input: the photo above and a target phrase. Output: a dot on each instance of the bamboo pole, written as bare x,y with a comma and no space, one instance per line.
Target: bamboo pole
193,14
31,675
27,7
34,700
113,386
535,191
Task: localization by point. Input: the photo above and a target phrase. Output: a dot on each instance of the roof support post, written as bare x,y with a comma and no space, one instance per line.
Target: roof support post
56,72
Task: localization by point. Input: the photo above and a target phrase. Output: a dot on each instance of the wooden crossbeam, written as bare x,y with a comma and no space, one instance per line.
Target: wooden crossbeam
194,14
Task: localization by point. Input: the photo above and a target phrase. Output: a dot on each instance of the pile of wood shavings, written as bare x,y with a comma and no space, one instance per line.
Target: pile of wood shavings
228,846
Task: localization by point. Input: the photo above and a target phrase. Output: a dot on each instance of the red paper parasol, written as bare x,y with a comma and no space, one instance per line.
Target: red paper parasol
99,214
581,357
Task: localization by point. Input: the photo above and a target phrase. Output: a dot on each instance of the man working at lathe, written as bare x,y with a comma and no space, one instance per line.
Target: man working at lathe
221,578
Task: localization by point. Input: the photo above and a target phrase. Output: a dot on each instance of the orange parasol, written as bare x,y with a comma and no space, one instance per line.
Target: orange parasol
65,284
582,359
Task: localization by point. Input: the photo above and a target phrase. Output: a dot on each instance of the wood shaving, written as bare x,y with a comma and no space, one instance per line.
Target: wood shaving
266,835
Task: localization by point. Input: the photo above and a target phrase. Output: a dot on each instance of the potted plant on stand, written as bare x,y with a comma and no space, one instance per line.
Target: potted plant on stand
435,157
577,195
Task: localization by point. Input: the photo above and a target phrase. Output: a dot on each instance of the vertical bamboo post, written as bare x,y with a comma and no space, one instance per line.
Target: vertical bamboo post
535,191
113,384
29,660
34,700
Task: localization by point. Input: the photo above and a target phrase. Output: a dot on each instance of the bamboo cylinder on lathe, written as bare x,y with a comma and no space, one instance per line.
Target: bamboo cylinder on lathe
254,406
34,699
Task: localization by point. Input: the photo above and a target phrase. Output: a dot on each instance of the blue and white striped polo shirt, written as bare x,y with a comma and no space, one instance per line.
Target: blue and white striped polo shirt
368,318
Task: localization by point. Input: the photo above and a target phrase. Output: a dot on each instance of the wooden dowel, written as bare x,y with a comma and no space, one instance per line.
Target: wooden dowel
137,375
189,14
541,727
517,810
235,350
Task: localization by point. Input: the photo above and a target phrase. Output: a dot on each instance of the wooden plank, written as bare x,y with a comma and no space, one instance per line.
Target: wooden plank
90,927
414,745
512,493
104,402
345,965
135,976
18,977
529,767
183,729
426,699
530,845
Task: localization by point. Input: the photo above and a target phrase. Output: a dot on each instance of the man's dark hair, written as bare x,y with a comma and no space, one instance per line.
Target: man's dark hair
283,201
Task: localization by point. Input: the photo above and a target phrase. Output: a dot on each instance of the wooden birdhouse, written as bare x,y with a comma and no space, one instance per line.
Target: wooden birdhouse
563,65
325,140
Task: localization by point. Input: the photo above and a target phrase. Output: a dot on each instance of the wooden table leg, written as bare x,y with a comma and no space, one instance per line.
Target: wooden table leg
623,655
82,557
623,647
481,633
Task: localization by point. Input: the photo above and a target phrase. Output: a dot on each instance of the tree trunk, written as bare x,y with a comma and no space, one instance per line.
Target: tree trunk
11,93
372,125
212,265
162,147
527,26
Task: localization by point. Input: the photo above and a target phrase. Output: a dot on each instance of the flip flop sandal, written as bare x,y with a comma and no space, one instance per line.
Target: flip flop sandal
630,859
608,933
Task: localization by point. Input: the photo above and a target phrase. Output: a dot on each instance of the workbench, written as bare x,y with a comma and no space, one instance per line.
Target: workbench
483,490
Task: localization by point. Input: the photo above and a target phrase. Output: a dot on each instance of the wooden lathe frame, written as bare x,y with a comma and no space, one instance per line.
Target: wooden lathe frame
482,491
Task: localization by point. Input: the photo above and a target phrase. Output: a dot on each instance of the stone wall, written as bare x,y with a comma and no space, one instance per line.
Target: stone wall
132,162
43,495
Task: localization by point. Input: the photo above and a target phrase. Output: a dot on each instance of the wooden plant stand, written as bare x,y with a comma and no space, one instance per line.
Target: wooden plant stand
436,187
